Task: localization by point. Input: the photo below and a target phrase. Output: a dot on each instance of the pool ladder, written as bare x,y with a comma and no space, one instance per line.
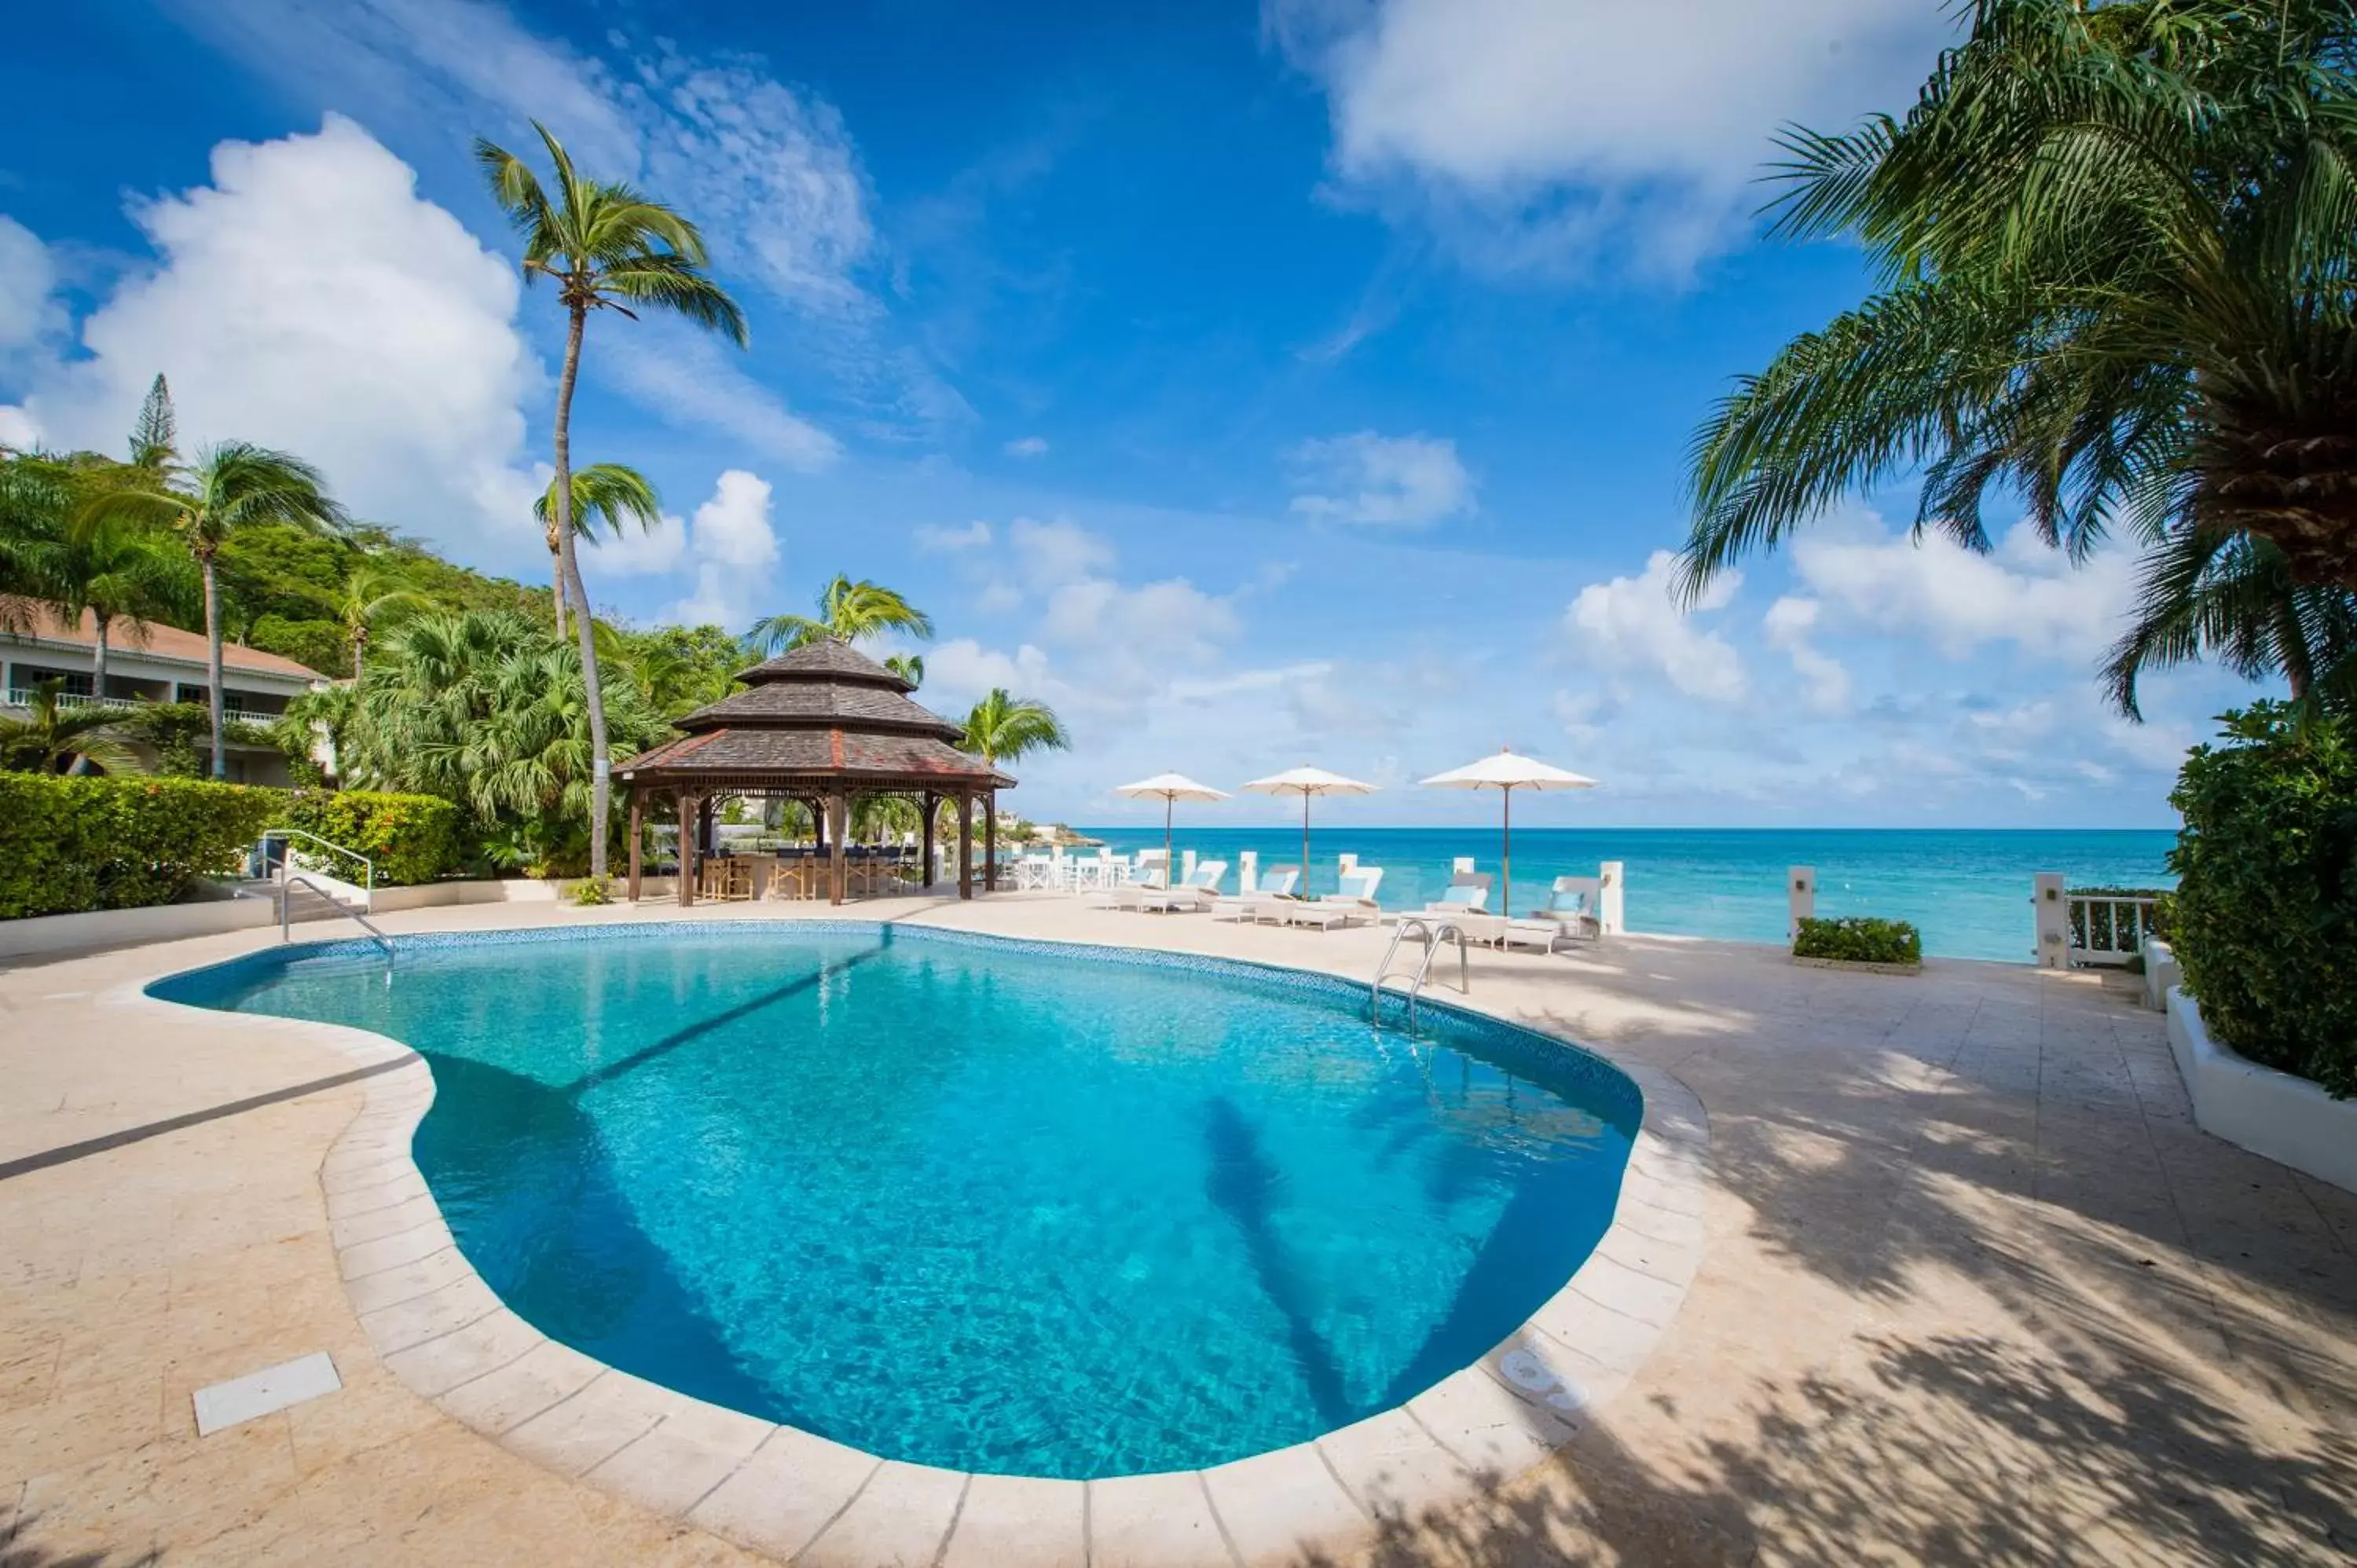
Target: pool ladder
1432,933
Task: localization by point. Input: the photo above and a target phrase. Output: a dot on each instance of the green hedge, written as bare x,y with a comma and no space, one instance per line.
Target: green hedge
412,838
2264,921
69,844
1857,940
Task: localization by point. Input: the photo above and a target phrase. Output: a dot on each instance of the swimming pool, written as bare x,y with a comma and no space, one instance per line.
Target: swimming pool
991,1206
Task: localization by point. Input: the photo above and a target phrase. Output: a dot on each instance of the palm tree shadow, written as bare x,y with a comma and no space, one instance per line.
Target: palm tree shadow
1243,1183
18,1550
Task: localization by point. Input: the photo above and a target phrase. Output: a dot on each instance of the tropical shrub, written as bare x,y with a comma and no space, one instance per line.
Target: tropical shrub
1858,939
71,844
181,734
411,838
2265,913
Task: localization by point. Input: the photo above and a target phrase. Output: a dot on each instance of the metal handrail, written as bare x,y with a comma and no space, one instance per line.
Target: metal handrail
286,918
1433,933
368,867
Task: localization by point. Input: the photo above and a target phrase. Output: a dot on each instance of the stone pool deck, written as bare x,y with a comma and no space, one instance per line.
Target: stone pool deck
1972,1288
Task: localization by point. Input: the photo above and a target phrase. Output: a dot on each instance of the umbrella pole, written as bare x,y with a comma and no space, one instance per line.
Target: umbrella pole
1304,838
1169,802
1506,851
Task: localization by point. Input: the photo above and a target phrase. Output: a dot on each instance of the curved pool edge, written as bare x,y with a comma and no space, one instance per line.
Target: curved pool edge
445,1335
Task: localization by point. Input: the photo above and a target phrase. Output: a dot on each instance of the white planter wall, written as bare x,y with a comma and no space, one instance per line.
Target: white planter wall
2287,1119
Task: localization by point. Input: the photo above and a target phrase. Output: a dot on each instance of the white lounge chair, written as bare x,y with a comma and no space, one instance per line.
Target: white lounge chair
1572,905
1467,894
1323,913
1125,895
1357,898
1201,889
1277,886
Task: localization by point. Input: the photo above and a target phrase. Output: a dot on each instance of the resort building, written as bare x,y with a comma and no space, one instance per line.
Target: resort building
154,663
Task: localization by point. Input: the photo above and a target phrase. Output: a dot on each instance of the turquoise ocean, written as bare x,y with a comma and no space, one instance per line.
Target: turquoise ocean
1967,889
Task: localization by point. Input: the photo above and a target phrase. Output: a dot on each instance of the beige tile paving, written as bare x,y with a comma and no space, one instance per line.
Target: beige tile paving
1972,1288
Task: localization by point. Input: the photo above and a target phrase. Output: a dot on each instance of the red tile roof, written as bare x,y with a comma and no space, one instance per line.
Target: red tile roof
165,641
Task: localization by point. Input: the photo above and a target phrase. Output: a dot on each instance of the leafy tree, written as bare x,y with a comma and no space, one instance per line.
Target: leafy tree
489,710
2116,246
231,487
847,611
54,739
606,248
1001,728
608,493
678,669
294,574
156,438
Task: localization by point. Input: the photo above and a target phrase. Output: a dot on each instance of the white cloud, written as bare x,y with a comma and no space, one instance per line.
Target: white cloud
1057,551
1544,133
640,553
29,310
1406,481
1788,623
769,173
309,299
1636,623
1027,446
687,377
975,535
734,545
2023,593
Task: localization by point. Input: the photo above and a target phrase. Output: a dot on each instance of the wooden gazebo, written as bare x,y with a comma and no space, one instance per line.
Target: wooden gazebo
822,724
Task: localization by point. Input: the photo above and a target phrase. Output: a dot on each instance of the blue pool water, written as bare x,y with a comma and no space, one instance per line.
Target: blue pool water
984,1205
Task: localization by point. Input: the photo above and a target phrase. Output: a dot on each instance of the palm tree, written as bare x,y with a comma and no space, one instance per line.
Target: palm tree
110,568
848,611
233,486
1005,729
910,667
2116,244
368,595
2231,598
610,493
606,247
51,739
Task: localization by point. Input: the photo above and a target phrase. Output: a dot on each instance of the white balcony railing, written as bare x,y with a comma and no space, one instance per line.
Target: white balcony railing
23,696
2107,928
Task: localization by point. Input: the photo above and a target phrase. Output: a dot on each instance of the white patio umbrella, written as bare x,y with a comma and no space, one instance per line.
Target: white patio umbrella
1168,788
1506,772
1306,782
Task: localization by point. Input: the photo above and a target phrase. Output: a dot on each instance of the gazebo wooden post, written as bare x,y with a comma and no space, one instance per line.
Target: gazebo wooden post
686,848
705,841
638,823
932,803
965,845
990,842
817,810
838,814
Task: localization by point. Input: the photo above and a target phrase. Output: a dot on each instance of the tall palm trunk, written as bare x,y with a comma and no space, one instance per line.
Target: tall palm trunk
556,583
97,656
602,762
214,658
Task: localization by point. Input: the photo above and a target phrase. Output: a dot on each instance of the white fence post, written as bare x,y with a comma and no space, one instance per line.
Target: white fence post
1803,880
1248,871
2052,920
1610,879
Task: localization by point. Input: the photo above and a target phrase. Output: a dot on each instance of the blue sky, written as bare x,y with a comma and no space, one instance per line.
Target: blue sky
1260,386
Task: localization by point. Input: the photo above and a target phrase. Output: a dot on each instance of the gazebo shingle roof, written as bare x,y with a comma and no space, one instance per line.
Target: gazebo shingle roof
817,714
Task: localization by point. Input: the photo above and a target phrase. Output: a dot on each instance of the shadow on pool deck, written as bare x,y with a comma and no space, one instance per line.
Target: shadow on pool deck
2152,1368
